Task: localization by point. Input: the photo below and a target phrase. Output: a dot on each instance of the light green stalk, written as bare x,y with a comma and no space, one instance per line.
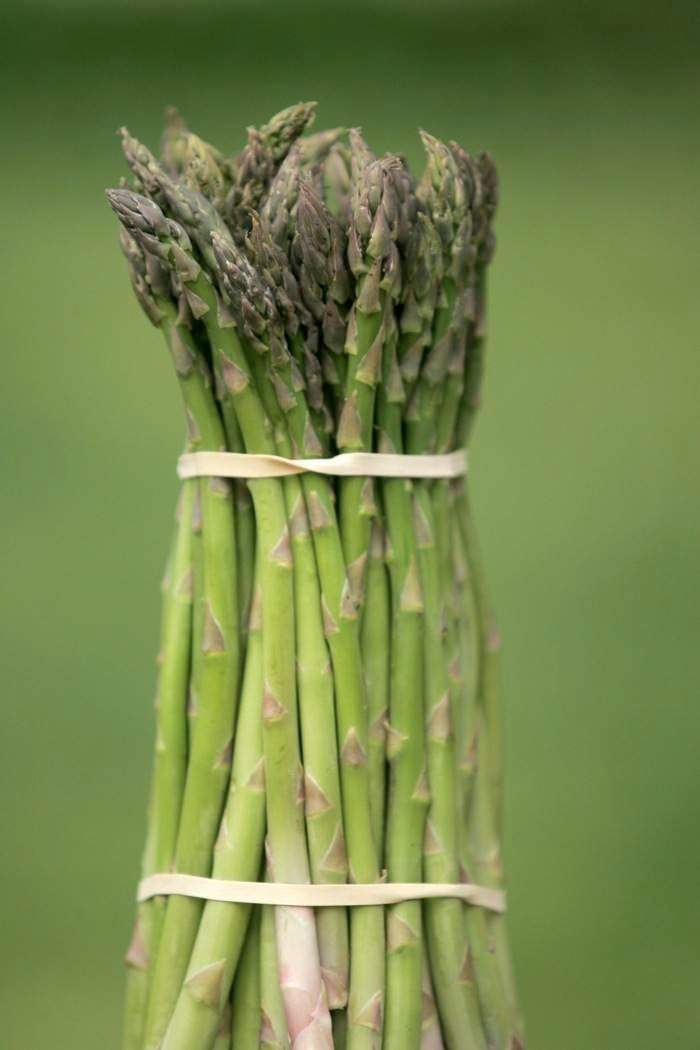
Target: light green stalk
213,707
137,960
215,662
432,420
322,803
245,530
215,668
245,999
342,633
408,785
237,856
223,1035
273,1027
376,635
459,1011
342,599
170,761
492,962
299,963
431,1035
372,257
314,673
320,758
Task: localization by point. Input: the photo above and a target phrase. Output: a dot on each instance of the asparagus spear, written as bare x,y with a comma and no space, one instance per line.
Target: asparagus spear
431,1036
246,1004
408,794
169,766
171,739
372,255
273,1024
376,628
445,201
172,140
299,962
488,932
223,1035
218,657
237,855
341,629
321,777
197,214
258,162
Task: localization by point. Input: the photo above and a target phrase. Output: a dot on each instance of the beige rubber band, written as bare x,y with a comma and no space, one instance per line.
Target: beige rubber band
305,895
347,464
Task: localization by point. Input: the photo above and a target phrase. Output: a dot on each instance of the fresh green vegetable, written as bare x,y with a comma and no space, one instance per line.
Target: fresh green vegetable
327,699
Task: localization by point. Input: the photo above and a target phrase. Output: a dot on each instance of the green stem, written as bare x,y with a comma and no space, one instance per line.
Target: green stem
215,669
245,1013
341,628
223,1035
492,962
323,811
376,633
273,1027
169,765
318,730
237,856
408,787
355,433
431,1034
296,936
447,944
245,529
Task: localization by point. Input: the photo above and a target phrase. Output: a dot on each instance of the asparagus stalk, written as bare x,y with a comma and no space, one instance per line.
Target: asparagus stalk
296,936
492,963
492,956
341,630
169,765
305,1002
376,628
238,854
246,1004
273,1026
218,657
408,786
137,960
223,1035
321,776
373,261
431,1036
449,951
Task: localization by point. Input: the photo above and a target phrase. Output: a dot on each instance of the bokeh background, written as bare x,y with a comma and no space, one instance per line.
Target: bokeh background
585,467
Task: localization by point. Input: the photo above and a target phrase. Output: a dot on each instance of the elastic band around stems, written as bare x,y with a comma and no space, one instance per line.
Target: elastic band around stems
306,895
347,464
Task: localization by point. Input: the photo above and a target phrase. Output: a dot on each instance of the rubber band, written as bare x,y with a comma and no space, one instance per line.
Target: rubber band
307,895
347,464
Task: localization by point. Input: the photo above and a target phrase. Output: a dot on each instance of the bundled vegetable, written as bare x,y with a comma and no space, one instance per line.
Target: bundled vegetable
327,706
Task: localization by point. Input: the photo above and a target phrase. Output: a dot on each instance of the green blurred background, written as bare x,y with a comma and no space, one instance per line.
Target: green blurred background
585,468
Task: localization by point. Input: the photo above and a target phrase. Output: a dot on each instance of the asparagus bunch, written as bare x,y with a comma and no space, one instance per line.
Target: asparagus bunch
327,701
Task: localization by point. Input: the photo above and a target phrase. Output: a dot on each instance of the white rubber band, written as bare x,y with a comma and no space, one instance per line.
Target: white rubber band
347,464
305,895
